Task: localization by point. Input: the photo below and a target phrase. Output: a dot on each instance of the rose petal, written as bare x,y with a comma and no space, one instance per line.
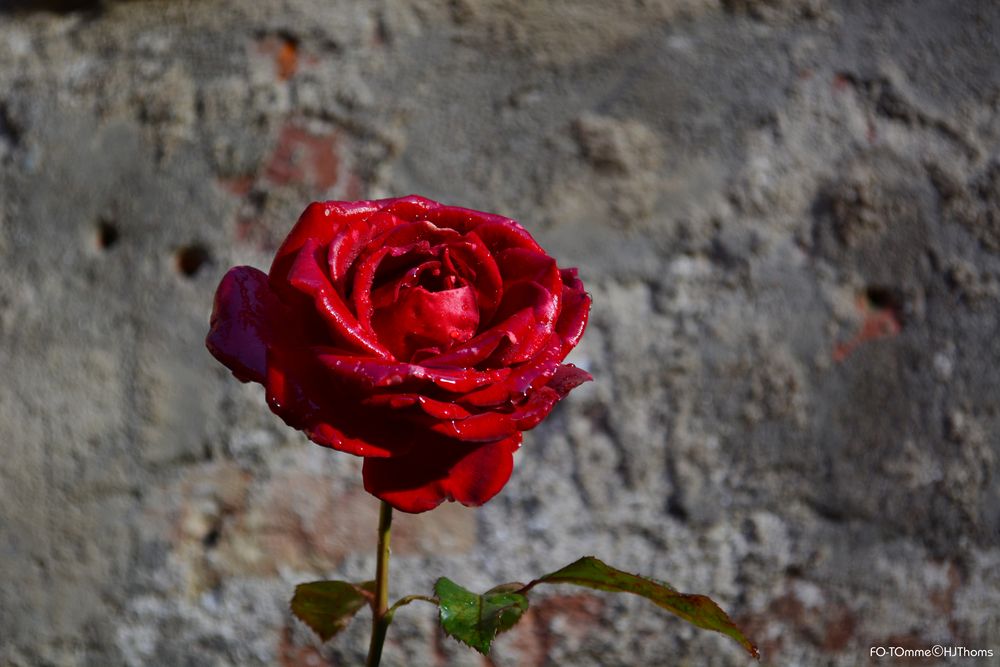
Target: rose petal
369,266
517,264
400,247
515,387
440,469
254,335
306,275
472,261
499,234
527,335
411,207
497,231
488,426
472,352
301,394
512,341
526,416
568,378
409,234
575,311
389,292
372,373
429,406
361,290
318,223
351,241
242,322
531,280
421,319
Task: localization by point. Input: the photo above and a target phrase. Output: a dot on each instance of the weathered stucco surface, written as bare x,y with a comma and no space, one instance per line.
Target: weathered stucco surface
787,211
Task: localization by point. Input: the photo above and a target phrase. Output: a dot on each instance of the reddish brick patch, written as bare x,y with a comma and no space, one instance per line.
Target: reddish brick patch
303,157
308,161
840,626
295,519
563,618
943,599
239,185
830,626
290,655
354,187
287,60
285,51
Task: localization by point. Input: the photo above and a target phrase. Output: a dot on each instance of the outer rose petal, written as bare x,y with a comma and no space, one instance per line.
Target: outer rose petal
515,387
410,207
368,374
319,223
487,426
568,378
242,323
498,232
462,219
429,406
575,311
298,392
526,335
255,336
440,470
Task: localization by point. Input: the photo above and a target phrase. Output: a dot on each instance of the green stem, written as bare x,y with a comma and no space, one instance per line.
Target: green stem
380,607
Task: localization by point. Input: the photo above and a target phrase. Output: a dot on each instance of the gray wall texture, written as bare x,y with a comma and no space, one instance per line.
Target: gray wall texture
787,212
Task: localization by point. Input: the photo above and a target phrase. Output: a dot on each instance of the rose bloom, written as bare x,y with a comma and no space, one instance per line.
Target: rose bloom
424,338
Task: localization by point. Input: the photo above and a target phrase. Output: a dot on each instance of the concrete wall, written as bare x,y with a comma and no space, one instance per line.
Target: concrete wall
787,212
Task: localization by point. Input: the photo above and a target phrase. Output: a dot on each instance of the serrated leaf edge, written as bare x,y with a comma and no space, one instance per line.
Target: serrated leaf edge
365,589
480,597
742,639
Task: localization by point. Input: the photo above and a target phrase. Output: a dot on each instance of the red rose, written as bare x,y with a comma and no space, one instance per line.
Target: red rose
424,338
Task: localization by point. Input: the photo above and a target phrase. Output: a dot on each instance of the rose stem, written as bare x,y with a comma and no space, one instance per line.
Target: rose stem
380,617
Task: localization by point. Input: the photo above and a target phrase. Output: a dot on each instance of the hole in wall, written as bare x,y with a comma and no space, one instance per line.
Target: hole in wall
211,538
191,258
885,298
107,234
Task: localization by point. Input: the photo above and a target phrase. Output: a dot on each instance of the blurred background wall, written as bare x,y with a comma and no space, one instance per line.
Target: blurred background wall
787,212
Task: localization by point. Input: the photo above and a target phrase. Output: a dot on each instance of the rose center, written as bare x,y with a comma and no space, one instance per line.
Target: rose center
427,322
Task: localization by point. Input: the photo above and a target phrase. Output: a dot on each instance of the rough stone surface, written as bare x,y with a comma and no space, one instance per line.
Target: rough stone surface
787,211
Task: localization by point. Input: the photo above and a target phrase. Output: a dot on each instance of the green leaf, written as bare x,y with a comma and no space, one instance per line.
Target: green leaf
327,606
476,620
696,609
